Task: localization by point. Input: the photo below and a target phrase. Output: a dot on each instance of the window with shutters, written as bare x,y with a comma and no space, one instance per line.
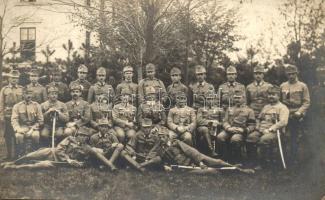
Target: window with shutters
27,43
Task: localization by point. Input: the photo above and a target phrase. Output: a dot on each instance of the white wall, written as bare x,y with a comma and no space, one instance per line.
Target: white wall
53,26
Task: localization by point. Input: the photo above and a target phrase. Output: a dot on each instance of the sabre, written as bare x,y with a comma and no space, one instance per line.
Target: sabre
280,147
53,135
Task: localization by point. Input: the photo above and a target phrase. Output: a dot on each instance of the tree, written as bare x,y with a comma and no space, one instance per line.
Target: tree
48,52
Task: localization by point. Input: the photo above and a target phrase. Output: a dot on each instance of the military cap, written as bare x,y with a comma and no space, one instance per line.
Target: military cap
82,68
14,74
175,70
52,89
199,69
126,91
34,72
291,69
127,69
146,122
150,67
259,68
75,86
274,89
103,121
101,70
28,90
150,90
180,94
231,70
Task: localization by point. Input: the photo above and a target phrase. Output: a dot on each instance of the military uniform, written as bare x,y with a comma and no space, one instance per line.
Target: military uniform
131,86
79,114
209,118
200,89
63,95
154,82
257,95
124,114
100,88
9,96
82,70
295,95
183,118
227,91
239,117
175,88
85,87
39,91
142,147
62,117
272,118
26,119
99,110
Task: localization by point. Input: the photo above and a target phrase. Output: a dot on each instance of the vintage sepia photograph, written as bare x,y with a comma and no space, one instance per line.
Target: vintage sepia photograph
162,99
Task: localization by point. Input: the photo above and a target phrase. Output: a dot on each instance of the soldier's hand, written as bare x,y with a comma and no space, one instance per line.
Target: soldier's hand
297,115
167,168
130,124
75,163
181,129
239,130
266,131
231,129
71,124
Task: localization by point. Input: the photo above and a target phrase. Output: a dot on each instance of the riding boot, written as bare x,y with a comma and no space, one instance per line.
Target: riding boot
236,152
210,146
251,152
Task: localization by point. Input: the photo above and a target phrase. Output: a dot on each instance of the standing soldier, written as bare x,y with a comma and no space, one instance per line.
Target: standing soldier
273,117
127,83
182,119
57,82
150,80
53,108
152,109
209,119
9,96
257,91
228,89
200,88
100,86
82,80
39,91
100,109
124,117
295,95
26,120
79,111
238,122
176,86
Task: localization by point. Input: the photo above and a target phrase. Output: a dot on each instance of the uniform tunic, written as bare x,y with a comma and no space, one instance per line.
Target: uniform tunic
79,112
199,91
156,83
257,96
174,89
39,92
64,94
99,88
227,93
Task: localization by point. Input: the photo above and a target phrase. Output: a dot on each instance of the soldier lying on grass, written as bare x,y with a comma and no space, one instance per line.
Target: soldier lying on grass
175,152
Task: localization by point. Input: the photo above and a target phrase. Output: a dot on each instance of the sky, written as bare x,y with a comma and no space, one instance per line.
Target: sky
256,26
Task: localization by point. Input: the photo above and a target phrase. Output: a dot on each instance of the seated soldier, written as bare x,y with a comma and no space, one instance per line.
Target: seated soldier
175,152
182,120
26,120
106,143
53,108
124,117
79,112
209,120
69,151
151,108
239,121
273,117
141,147
100,109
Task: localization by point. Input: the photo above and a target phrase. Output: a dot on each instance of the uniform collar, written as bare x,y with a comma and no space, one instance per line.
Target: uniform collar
100,84
261,83
76,102
232,84
176,84
12,86
201,84
27,103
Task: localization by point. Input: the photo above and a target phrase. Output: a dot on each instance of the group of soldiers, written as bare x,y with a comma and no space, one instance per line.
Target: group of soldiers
147,124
